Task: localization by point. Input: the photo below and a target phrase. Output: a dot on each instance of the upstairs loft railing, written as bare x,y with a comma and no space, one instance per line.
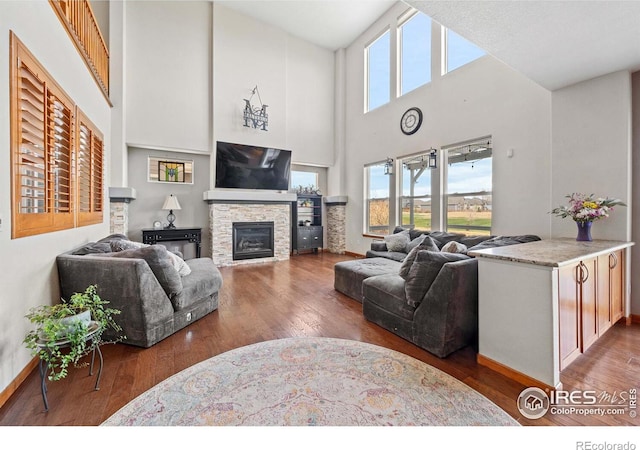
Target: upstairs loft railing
80,23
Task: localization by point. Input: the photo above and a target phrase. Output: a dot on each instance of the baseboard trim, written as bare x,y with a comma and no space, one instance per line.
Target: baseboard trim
633,318
355,255
17,381
514,374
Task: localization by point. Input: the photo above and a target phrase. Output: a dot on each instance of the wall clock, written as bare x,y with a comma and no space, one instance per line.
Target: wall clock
411,120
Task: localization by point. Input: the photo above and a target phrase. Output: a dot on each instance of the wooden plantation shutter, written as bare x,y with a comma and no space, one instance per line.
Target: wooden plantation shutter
89,161
42,124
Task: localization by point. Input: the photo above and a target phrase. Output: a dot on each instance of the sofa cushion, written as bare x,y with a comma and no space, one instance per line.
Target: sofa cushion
397,242
472,240
427,244
158,259
393,256
204,280
503,241
388,293
424,270
454,247
349,275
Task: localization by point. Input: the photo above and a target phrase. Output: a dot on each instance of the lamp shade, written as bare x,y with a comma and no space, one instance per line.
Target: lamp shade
171,203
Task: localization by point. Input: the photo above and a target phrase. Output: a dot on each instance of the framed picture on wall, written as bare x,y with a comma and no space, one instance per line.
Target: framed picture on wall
164,170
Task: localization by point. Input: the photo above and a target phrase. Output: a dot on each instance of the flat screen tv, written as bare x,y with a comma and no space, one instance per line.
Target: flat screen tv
250,167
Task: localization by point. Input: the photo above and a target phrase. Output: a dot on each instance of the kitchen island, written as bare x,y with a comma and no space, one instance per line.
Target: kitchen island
542,304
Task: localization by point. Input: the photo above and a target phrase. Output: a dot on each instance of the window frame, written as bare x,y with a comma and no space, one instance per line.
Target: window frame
57,141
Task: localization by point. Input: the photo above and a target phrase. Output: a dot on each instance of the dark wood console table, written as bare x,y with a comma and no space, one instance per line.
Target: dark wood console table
152,236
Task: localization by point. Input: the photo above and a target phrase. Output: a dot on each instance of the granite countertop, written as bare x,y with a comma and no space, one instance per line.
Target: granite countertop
551,252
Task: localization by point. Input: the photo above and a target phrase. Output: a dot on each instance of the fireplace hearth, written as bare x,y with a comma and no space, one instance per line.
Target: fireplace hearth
252,240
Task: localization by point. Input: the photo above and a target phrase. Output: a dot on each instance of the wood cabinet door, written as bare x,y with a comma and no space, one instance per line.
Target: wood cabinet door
569,314
589,304
616,280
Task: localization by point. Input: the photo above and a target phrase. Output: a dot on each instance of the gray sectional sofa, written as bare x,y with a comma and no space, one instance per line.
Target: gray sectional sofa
144,283
426,292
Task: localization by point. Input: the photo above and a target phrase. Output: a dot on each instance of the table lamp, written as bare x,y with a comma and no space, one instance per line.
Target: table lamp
171,203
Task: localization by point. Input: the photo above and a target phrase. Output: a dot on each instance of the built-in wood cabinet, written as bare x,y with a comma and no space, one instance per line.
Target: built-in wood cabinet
590,301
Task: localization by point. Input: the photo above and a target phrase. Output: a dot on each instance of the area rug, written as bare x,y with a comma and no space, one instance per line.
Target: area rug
311,381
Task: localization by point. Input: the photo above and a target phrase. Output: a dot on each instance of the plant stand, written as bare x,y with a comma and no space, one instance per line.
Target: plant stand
43,366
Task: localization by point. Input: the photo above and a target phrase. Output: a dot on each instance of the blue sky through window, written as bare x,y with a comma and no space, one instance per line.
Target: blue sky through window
460,51
379,60
304,179
416,53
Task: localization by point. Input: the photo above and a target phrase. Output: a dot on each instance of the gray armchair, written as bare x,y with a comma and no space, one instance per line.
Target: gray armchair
154,300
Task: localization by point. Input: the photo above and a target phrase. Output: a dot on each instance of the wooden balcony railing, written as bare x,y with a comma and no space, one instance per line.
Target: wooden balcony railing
80,22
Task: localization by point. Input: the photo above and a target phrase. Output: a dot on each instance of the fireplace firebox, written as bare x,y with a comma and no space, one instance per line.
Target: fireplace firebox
252,240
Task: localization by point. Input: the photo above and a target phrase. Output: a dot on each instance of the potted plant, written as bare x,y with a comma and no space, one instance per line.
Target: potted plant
67,331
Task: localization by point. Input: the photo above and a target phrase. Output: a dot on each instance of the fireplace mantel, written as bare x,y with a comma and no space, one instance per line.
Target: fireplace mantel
243,196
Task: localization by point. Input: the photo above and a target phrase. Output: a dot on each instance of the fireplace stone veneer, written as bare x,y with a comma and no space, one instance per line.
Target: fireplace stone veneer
222,215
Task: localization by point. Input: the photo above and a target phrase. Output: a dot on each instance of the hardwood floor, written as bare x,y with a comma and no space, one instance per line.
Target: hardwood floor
259,302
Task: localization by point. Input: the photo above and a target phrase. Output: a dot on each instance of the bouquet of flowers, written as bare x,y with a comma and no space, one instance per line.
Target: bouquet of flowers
585,208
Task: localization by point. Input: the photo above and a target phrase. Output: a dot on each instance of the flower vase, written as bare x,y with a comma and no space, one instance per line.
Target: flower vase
584,231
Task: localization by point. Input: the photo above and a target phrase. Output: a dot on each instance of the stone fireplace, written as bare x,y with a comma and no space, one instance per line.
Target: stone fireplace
227,208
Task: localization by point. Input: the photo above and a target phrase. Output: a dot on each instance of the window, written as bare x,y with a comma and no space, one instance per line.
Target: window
458,51
415,201
377,200
415,52
44,153
303,179
378,64
468,189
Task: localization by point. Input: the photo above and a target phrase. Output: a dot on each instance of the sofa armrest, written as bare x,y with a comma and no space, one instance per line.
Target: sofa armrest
128,284
379,246
447,317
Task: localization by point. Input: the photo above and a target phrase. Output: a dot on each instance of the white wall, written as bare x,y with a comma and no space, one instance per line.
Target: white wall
168,74
295,79
635,197
482,98
592,150
29,276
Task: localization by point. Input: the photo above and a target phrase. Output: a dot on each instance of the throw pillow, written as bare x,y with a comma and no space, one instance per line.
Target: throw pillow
160,263
427,244
423,272
118,245
93,247
454,247
397,242
178,263
414,243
